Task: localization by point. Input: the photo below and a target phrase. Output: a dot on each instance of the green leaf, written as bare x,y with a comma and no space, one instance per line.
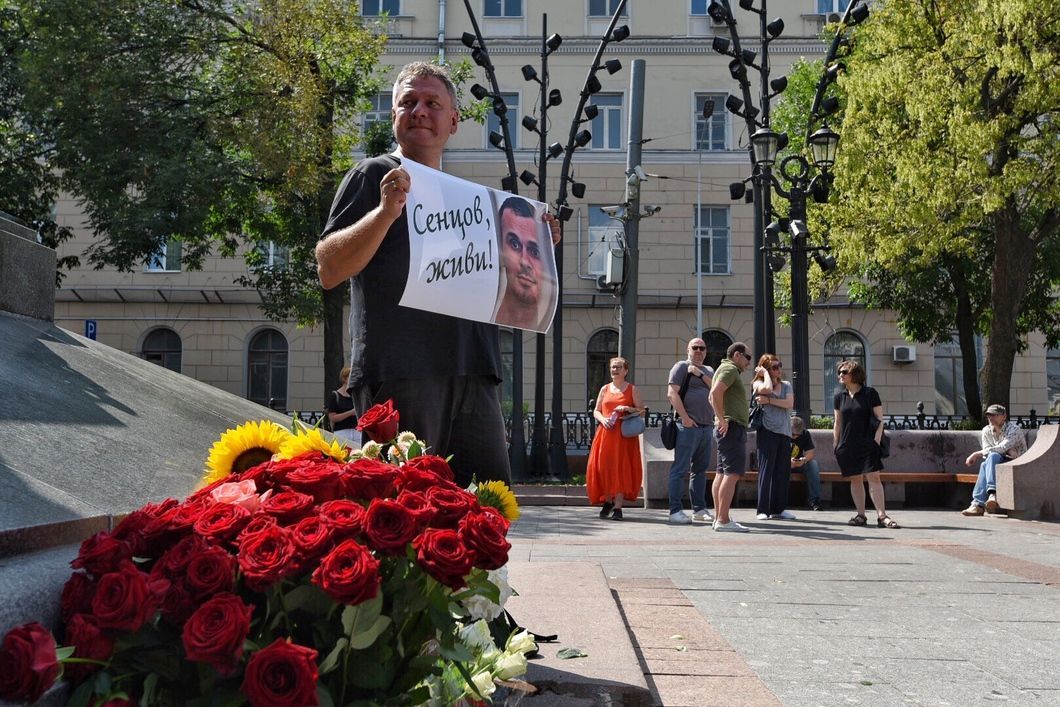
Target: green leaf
415,450
332,660
361,617
150,686
82,695
324,697
63,652
457,652
363,639
309,598
568,653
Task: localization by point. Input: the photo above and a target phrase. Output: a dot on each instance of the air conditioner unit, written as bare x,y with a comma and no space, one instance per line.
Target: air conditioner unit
615,266
904,354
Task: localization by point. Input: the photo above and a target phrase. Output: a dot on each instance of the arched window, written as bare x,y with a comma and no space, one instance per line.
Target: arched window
949,376
267,369
840,346
1052,375
602,347
718,342
162,346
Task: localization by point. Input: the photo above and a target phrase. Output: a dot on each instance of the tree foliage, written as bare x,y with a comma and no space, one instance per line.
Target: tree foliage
948,169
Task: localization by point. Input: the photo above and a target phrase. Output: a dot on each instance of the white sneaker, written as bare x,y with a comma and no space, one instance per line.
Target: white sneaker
992,505
731,527
680,518
762,516
703,514
783,515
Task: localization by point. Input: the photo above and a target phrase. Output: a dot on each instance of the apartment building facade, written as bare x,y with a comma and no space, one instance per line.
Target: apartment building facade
695,255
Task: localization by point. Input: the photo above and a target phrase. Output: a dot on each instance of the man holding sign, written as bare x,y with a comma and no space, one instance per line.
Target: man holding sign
442,372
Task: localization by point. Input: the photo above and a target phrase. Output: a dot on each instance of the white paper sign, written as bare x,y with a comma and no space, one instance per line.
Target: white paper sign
478,253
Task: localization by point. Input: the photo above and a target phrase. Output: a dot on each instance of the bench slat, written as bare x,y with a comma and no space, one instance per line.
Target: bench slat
908,477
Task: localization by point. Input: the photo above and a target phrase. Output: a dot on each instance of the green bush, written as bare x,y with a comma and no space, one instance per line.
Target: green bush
969,424
820,422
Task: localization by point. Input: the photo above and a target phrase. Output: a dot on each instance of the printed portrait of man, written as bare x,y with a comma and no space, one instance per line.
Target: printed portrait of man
527,288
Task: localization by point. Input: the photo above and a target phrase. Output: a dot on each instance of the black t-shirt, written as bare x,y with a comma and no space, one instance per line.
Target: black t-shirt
338,404
801,444
387,338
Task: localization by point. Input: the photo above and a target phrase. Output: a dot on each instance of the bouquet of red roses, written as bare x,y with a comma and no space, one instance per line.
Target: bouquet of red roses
303,573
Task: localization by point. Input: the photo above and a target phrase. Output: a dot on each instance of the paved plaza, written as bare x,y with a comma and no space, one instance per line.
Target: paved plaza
948,610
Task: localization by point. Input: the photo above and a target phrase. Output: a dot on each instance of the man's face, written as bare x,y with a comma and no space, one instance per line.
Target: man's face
697,351
424,114
742,360
996,419
521,256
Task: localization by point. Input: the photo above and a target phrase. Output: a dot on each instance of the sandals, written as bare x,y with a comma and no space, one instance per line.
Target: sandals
858,520
605,511
886,522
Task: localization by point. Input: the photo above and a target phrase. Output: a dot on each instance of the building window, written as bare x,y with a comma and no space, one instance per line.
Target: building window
605,234
718,343
1052,375
267,369
825,7
273,255
949,376
607,125
371,8
840,346
166,259
602,347
378,109
162,347
711,133
503,8
606,8
699,8
712,239
493,123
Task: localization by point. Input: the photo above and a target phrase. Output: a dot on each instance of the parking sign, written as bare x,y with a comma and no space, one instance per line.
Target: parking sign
90,329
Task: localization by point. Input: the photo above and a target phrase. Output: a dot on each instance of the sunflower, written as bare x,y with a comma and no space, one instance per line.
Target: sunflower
312,440
248,445
496,494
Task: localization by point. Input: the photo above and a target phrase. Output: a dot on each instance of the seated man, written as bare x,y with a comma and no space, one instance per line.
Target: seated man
802,452
1001,441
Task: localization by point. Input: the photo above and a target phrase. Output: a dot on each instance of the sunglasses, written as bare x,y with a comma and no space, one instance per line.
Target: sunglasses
776,366
699,348
844,373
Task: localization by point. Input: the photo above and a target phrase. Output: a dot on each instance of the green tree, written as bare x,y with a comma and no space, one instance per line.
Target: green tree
220,124
948,169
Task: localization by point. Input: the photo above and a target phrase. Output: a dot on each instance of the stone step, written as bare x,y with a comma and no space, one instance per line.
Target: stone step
573,600
550,495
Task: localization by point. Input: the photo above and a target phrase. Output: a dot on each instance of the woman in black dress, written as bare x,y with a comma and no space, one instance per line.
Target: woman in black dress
856,433
341,415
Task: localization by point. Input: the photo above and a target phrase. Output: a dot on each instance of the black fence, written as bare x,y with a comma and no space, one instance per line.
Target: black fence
578,427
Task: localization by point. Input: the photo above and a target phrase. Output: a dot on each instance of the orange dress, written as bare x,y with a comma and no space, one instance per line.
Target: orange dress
614,460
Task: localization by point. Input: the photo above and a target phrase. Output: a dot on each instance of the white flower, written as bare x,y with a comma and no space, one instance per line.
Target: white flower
479,607
477,637
406,437
521,643
372,450
509,666
484,683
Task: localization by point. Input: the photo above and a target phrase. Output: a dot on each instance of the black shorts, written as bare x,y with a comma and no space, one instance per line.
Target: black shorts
732,450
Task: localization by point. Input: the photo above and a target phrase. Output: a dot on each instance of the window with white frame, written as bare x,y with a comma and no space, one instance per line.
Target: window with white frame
698,8
605,234
379,108
840,346
273,255
166,258
606,8
712,133
503,8
826,7
372,8
493,123
712,239
607,125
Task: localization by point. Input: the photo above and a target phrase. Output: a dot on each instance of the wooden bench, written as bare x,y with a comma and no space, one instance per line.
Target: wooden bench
900,477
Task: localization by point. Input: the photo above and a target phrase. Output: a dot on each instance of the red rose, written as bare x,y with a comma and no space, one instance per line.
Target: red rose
484,533
419,505
312,536
131,531
222,522
380,422
283,674
174,562
289,506
101,553
276,471
345,518
433,463
389,526
210,571
450,505
349,573
177,604
443,555
90,642
27,663
322,480
215,633
258,522
421,480
267,557
77,595
124,600
370,478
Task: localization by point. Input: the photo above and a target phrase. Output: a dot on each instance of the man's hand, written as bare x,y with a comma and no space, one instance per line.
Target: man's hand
554,226
973,458
394,192
723,427
687,421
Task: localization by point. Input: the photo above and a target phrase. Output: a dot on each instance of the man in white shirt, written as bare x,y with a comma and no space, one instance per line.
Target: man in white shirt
1001,441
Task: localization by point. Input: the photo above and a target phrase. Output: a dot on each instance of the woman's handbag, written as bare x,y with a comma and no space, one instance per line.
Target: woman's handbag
668,428
755,415
633,424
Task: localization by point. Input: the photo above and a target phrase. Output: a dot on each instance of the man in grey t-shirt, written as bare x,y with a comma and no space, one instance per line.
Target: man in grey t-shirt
694,433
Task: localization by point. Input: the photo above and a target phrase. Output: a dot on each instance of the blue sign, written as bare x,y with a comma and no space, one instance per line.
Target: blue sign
90,329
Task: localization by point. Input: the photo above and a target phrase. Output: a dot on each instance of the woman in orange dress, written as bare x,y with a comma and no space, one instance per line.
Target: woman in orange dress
614,471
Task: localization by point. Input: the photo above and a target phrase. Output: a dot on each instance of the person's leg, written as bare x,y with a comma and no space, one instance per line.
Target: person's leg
764,448
733,449
876,492
682,458
780,476
726,492
857,492
986,484
812,471
697,482
477,439
619,497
